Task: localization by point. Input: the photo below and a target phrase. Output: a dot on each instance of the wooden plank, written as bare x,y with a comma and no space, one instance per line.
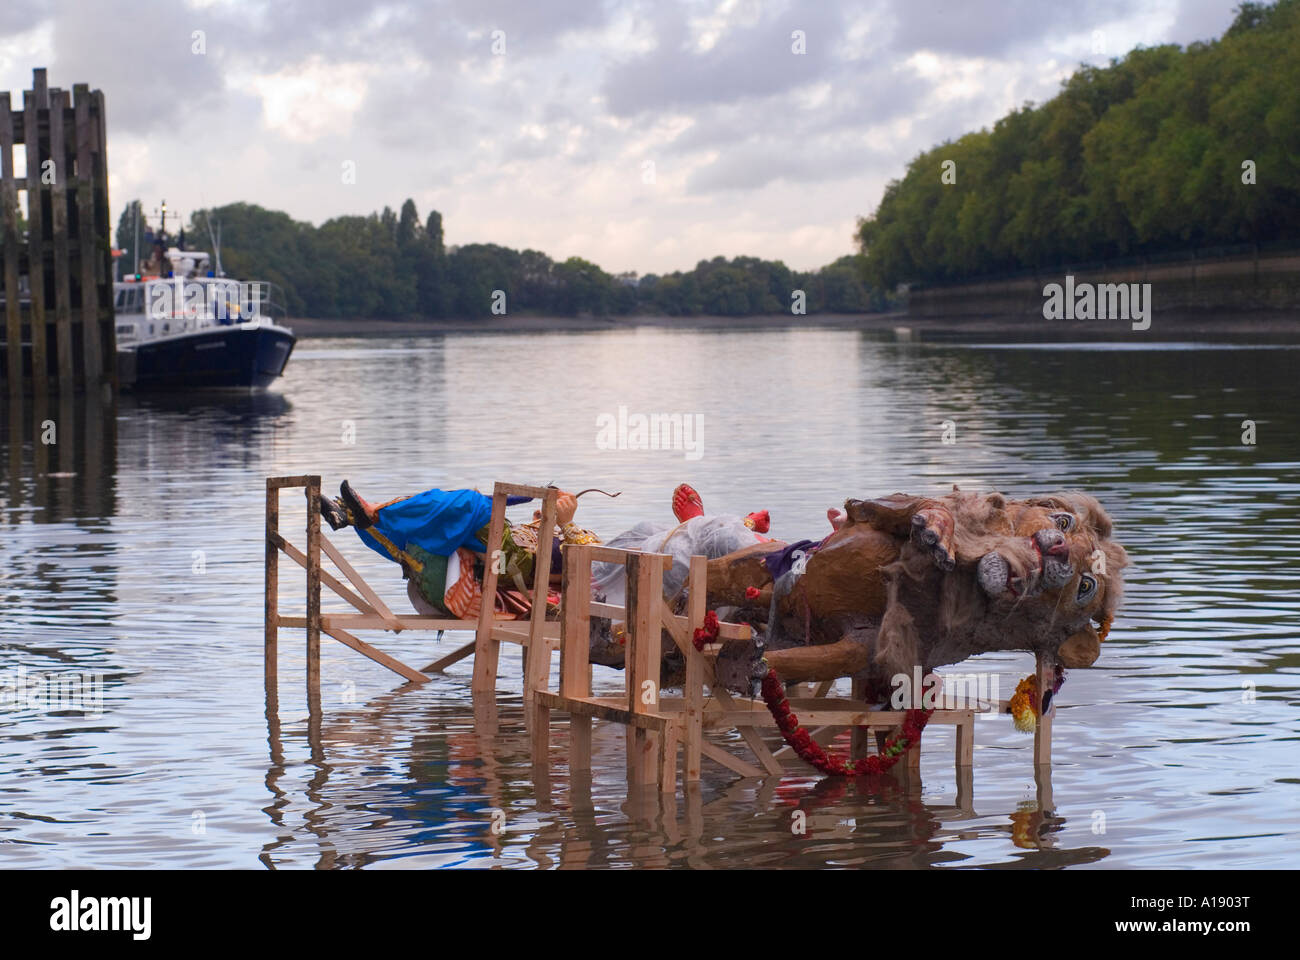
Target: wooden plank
668,760
91,346
488,650
618,555
642,663
762,752
610,611
732,763
357,621
59,239
601,710
523,490
313,595
741,715
537,654
280,482
326,577
693,689
965,746
104,233
9,223
372,621
1043,731
358,581
735,631
860,740
365,649
822,735
522,636
457,655
575,647
271,627
35,238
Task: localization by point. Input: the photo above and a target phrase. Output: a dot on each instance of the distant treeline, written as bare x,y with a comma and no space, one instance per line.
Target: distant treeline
396,265
1165,149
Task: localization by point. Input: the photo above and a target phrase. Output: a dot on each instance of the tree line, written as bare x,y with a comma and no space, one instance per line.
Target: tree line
1164,149
396,265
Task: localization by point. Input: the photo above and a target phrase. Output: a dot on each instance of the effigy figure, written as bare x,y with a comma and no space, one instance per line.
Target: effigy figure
910,581
439,538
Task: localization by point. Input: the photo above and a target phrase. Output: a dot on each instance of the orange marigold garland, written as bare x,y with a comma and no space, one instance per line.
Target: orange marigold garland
1024,703
811,752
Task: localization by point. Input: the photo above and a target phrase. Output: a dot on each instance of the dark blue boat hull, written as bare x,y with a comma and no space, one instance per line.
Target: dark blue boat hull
222,357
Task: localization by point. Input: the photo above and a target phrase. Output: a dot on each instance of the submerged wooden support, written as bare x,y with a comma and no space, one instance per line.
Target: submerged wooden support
313,593
1046,672
271,628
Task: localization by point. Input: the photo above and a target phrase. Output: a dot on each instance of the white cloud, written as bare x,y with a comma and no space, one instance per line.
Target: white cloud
306,101
756,150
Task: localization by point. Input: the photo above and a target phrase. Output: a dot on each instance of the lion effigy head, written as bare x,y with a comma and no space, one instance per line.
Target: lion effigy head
985,572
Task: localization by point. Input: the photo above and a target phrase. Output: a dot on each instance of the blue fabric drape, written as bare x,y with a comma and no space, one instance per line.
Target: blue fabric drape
439,521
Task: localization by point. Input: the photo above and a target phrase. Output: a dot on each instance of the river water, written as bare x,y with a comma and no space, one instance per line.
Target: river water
131,554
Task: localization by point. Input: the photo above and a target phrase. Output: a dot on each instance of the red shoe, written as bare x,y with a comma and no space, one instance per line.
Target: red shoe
686,503
759,521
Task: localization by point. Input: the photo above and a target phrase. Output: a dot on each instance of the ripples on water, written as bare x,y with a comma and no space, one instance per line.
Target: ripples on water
145,565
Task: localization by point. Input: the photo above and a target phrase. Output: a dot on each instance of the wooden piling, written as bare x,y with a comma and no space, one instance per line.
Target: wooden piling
35,235
88,266
58,172
60,320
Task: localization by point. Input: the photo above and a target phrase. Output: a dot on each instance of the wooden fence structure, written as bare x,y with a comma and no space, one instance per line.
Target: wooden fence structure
658,728
371,611
57,275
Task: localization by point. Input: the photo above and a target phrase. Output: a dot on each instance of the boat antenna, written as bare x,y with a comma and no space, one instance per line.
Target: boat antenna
216,240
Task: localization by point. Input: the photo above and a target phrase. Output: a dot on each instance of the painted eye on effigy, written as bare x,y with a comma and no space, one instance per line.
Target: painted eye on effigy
1087,587
1064,521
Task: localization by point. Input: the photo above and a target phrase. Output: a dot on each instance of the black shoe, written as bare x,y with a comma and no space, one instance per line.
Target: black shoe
334,514
353,504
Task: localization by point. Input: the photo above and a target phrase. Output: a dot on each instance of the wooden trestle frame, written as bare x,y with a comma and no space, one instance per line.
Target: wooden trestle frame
657,726
373,614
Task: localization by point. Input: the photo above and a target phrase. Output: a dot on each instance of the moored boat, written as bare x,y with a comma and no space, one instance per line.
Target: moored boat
191,330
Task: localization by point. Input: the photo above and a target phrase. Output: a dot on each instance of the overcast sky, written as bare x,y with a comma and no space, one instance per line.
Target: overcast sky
641,135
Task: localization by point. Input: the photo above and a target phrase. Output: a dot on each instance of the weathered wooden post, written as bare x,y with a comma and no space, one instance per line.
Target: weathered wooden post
271,629
61,317
313,594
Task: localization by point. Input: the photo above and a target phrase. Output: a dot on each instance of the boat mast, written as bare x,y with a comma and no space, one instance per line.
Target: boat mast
216,240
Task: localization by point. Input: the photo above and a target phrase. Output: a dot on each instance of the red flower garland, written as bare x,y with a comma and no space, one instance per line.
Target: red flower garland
810,751
751,593
708,633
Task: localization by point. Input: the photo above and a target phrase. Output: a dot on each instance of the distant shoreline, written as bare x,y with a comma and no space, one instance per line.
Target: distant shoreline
1245,325
531,323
